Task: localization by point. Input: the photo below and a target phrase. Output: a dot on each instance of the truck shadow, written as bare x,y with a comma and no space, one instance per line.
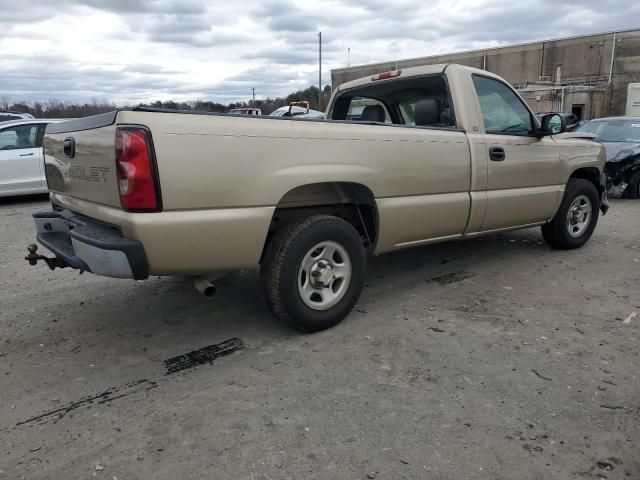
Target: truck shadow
23,200
239,309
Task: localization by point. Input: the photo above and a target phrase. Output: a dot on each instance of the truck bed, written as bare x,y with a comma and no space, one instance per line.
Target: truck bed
224,173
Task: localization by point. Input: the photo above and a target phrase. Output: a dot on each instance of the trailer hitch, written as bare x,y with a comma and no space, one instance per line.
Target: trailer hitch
33,257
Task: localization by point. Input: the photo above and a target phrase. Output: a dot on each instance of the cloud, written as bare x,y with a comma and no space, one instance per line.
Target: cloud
284,56
167,7
129,51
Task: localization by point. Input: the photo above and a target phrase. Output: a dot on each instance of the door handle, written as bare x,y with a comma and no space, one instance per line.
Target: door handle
26,154
497,154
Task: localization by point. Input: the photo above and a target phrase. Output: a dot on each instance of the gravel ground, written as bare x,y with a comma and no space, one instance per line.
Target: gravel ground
494,358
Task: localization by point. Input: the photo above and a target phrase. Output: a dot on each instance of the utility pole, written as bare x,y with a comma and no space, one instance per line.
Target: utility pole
613,59
253,92
320,70
348,57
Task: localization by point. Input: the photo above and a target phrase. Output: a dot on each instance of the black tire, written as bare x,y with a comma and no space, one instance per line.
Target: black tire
557,232
633,189
281,266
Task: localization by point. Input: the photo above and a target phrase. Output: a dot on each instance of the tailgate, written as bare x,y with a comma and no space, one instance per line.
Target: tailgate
79,157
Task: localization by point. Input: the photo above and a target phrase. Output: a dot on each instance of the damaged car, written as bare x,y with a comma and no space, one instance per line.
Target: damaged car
621,139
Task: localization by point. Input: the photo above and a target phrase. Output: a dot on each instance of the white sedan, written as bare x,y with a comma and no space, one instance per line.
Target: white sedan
21,157
296,111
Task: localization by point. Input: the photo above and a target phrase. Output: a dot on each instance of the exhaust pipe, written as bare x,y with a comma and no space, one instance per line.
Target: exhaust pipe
205,287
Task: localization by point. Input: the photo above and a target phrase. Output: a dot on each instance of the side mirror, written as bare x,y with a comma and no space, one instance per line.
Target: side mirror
552,124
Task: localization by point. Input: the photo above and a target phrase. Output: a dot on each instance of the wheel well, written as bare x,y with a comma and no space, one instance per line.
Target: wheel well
590,174
353,202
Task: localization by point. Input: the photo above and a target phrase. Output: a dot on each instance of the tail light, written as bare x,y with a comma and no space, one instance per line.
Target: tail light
137,178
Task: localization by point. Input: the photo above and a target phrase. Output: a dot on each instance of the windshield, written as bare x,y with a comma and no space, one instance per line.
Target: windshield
619,130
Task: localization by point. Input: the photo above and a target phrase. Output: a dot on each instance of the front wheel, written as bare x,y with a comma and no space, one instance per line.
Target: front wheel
313,272
575,220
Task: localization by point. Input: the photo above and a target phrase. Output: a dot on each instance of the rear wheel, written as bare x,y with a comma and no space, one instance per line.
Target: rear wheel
575,220
313,272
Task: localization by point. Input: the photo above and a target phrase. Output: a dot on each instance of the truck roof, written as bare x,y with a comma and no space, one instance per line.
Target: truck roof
411,72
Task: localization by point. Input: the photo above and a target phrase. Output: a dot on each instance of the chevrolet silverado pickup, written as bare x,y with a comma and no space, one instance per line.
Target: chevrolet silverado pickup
437,153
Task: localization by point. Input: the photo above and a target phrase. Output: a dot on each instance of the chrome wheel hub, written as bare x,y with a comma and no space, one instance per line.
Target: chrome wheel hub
324,275
579,216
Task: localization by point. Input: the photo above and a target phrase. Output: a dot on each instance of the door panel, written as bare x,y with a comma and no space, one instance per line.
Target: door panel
523,170
519,206
20,169
528,162
20,159
523,188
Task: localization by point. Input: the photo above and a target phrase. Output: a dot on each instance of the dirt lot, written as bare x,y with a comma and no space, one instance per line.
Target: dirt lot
485,359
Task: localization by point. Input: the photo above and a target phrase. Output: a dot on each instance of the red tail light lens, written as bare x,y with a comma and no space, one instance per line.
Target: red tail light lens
136,170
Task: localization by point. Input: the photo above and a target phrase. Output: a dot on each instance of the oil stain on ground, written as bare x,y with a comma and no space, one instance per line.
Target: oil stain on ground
202,356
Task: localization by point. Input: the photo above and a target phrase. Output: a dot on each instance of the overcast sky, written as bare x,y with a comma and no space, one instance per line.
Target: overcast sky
128,51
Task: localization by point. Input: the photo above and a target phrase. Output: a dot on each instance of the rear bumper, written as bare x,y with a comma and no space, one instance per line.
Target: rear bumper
90,246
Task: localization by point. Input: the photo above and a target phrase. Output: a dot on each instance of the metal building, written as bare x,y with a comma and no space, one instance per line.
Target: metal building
587,75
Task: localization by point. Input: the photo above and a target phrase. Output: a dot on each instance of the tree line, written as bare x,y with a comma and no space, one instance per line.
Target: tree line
61,109
310,94
57,108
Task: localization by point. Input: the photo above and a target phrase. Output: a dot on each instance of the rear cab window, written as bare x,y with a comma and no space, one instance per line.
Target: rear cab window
360,106
394,102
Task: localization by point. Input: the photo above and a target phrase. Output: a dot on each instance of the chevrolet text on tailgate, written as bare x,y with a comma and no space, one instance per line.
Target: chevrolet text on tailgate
402,159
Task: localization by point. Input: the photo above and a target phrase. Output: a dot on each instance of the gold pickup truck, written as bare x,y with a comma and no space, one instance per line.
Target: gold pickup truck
403,158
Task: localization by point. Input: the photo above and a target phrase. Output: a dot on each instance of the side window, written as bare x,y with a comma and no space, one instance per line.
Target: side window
7,138
22,136
502,111
368,109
